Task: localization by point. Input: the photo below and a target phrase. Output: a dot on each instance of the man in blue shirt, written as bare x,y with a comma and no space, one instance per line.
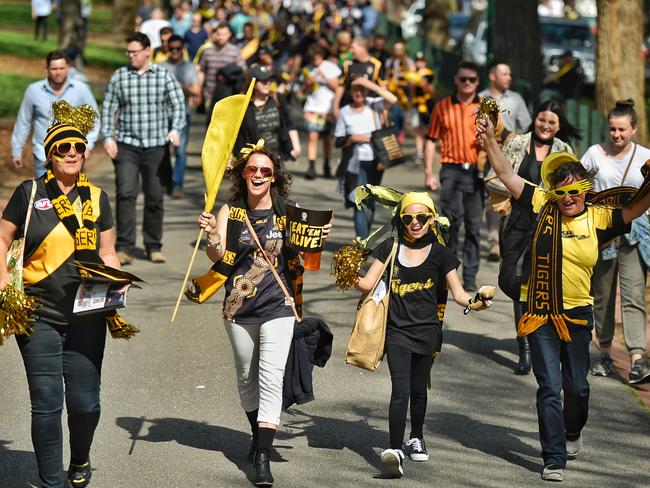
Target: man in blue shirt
35,108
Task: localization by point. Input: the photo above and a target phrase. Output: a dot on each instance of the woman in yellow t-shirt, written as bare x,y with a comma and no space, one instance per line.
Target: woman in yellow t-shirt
559,307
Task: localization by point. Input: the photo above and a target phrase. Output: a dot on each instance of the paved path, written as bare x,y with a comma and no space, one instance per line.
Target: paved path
171,417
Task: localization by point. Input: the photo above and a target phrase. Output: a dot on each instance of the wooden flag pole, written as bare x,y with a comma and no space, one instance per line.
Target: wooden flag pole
187,273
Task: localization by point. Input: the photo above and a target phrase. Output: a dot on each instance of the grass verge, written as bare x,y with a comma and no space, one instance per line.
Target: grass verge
12,88
14,14
22,44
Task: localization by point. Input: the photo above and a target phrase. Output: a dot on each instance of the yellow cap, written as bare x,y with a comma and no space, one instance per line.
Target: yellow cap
417,197
554,161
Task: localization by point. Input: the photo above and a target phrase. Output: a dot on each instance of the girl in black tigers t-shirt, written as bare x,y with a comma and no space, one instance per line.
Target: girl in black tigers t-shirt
423,270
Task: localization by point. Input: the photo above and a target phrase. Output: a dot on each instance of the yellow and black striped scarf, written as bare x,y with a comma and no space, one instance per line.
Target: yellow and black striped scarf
85,236
544,300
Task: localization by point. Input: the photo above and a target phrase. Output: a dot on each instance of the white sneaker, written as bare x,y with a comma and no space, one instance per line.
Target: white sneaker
393,462
573,447
416,450
552,473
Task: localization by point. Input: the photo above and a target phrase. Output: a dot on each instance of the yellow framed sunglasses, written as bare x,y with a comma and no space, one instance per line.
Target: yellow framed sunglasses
574,189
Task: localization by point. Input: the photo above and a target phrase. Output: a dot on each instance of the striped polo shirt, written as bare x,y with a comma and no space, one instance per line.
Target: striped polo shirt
453,125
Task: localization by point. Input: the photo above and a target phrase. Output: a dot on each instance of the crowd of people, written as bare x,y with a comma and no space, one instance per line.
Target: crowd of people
325,60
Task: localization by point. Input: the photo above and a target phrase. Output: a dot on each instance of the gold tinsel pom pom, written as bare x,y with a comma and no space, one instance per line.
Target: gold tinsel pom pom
16,310
193,292
119,328
82,117
489,108
346,263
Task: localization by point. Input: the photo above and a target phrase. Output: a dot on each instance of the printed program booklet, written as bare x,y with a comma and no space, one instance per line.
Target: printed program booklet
102,288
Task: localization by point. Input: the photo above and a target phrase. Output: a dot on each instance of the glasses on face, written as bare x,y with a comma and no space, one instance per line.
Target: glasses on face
573,190
466,79
251,171
175,48
422,218
133,53
63,148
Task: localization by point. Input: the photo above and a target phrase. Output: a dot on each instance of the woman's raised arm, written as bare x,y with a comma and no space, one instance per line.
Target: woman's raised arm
502,167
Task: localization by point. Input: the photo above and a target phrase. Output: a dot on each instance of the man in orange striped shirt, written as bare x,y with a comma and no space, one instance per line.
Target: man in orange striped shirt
452,126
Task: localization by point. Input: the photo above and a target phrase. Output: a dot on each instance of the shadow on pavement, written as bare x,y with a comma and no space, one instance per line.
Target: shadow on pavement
335,433
494,440
232,443
483,345
17,467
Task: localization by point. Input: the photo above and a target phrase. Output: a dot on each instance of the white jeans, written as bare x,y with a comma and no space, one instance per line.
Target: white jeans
260,353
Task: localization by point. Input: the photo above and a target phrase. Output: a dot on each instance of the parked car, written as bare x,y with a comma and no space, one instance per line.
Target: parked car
557,36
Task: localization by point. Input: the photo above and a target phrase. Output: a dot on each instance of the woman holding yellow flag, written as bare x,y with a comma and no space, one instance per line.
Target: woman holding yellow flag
258,319
558,318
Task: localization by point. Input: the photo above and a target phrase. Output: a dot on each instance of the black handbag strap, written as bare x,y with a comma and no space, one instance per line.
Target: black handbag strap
272,268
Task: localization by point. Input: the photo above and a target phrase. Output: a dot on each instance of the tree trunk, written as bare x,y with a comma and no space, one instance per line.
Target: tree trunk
124,13
516,41
619,66
71,25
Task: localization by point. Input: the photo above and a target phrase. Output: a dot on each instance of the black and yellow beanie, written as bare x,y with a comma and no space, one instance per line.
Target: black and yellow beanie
71,124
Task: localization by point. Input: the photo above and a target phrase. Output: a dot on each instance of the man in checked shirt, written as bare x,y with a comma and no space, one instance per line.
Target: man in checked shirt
141,99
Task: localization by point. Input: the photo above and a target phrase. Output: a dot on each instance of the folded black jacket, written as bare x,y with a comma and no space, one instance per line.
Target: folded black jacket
311,346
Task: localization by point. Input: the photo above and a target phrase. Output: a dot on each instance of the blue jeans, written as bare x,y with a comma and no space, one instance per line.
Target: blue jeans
39,167
397,117
367,174
561,367
63,361
181,155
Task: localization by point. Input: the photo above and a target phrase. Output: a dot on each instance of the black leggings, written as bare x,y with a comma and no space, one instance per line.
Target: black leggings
409,372
54,354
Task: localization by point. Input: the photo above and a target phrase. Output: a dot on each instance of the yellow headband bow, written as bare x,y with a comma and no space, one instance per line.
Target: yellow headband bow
246,151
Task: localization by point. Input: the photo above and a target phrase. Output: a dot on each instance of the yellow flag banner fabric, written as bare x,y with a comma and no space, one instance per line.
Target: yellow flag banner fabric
220,138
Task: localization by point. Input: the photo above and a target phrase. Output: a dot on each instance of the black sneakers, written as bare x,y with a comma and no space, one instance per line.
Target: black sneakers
79,474
416,450
639,372
602,367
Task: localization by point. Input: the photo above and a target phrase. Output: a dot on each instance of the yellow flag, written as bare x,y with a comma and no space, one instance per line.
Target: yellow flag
249,48
220,138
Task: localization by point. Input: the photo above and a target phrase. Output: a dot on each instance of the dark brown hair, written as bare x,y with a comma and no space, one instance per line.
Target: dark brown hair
577,170
624,108
279,187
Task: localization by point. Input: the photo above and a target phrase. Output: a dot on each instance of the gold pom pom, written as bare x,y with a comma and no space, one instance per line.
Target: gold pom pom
346,263
82,117
16,311
489,108
119,328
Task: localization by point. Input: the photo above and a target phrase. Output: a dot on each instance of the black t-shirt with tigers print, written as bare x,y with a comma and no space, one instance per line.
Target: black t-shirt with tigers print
412,311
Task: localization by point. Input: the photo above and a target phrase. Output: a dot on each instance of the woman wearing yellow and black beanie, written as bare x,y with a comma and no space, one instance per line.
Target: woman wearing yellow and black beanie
70,220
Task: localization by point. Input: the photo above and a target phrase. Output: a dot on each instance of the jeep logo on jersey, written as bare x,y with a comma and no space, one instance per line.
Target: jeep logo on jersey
43,204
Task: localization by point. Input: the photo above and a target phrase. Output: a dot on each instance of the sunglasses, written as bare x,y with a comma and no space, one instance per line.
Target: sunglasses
175,48
63,148
465,79
574,189
422,218
251,171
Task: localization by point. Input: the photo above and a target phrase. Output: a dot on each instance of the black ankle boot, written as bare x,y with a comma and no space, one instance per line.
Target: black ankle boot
523,366
262,465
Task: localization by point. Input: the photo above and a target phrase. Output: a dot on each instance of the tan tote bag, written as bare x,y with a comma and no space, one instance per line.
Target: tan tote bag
366,346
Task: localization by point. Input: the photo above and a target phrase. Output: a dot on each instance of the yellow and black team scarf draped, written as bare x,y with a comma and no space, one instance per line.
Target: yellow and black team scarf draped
85,237
544,300
203,287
